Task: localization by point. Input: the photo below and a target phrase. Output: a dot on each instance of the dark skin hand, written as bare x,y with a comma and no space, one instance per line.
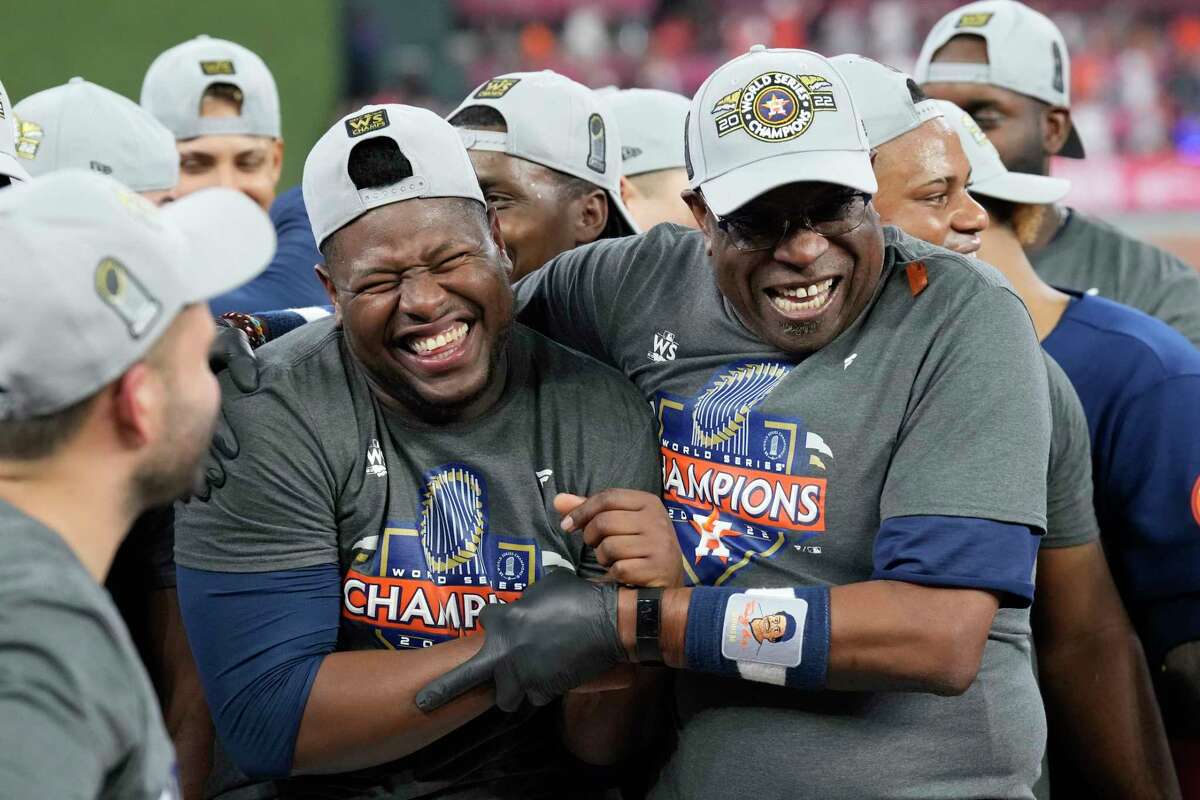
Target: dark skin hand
1026,131
1104,720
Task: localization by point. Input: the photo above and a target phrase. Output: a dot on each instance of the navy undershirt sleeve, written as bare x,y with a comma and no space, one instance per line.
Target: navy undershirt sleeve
959,552
259,639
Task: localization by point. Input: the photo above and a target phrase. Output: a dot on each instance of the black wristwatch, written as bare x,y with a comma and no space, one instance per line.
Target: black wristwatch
649,619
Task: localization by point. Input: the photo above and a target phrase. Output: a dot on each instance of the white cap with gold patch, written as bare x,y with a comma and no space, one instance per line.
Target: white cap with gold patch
773,117
93,274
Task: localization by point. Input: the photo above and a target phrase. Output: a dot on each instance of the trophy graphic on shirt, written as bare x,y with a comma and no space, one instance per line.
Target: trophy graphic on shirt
453,521
719,419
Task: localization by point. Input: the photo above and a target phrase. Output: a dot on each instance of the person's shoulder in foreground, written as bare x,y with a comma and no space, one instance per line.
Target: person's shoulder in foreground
1091,255
68,659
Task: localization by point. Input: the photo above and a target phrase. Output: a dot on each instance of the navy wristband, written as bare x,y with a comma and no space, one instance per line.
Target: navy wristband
777,636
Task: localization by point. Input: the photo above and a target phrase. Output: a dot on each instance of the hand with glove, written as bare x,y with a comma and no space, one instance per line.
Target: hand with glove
559,635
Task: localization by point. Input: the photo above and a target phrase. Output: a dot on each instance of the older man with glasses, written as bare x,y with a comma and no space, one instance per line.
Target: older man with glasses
854,429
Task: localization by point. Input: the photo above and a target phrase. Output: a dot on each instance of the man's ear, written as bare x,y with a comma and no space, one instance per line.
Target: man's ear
138,406
497,236
276,160
699,210
629,192
1056,127
589,215
331,290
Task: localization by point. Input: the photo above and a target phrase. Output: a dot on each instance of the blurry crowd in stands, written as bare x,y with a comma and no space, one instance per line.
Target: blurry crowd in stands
1135,67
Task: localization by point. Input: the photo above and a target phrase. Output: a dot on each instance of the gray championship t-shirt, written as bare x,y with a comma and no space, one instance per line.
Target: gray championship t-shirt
78,717
427,524
778,472
1088,254
1070,512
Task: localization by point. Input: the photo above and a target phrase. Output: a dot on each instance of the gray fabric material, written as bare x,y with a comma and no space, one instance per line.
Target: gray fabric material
933,405
1070,513
306,490
1088,253
78,716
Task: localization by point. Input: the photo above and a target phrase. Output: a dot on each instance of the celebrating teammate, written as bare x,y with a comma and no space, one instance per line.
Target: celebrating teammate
78,716
548,159
854,429
397,473
1110,725
1139,382
1007,65
220,101
653,177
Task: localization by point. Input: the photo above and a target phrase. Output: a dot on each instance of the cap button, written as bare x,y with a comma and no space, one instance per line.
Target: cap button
757,48
76,79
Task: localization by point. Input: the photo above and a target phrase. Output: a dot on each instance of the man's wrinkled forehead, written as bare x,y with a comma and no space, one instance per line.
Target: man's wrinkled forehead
421,231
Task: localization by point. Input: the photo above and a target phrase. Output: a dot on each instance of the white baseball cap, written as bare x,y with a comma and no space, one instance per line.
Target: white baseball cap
93,274
883,96
553,121
175,84
86,126
1026,54
440,164
989,176
9,165
772,117
650,122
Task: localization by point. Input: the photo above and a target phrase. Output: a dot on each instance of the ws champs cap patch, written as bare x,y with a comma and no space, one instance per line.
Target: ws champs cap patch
367,122
218,67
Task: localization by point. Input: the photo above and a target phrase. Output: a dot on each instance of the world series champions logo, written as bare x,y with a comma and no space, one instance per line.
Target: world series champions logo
738,484
420,583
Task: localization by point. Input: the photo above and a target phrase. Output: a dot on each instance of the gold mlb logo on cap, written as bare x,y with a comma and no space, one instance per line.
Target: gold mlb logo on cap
973,128
775,106
365,123
218,67
496,88
29,138
122,292
976,20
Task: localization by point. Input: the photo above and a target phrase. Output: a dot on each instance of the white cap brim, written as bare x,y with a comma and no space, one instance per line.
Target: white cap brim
1020,187
11,167
228,240
727,193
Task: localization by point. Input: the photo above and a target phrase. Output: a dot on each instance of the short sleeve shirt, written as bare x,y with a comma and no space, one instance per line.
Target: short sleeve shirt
1089,255
427,524
778,471
78,716
1070,513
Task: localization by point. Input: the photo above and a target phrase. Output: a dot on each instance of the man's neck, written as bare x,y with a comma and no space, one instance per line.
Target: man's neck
1054,217
1046,304
87,506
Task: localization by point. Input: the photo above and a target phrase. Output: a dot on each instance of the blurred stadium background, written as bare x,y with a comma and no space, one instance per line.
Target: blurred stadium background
1135,68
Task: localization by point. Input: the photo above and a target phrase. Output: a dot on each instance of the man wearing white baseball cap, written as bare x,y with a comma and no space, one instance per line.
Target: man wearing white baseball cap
859,596
653,177
923,172
415,450
220,100
1143,399
548,157
104,413
1007,65
81,125
11,168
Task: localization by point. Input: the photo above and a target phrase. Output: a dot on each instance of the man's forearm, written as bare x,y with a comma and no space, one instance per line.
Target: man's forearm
1104,717
884,635
339,732
604,726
